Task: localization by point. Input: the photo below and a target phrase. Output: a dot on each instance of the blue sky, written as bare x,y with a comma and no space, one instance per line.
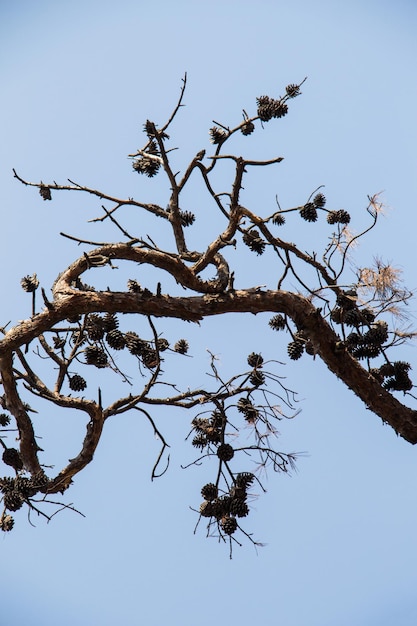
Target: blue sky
79,80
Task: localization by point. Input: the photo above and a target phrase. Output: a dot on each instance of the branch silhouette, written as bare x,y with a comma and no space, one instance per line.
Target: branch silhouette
78,330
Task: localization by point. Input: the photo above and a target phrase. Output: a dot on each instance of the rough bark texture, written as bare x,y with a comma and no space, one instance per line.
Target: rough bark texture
194,308
332,320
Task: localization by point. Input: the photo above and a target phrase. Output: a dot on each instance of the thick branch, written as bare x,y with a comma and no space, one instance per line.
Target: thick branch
298,308
171,263
28,445
91,441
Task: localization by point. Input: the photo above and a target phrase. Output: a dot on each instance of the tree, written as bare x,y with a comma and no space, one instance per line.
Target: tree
78,328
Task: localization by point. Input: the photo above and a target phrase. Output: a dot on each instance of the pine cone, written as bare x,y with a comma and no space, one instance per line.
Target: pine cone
225,452
24,487
338,217
366,351
94,327
278,219
30,283
292,91
295,349
248,128
39,481
134,286
200,424
146,165
150,358
309,213
12,457
265,108
221,506
116,339
269,108
12,501
110,322
135,345
353,341
6,523
217,135
229,525
277,322
353,318
200,441
77,383
243,405
181,346
319,200
347,299
4,420
246,407
209,491
252,239
45,192
400,380
95,356
244,479
378,334
255,360
239,507
162,344
187,218
257,378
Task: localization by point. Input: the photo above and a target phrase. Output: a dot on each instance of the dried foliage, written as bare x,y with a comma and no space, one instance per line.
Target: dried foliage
79,330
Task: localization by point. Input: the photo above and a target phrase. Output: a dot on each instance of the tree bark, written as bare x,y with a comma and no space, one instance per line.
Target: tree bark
194,308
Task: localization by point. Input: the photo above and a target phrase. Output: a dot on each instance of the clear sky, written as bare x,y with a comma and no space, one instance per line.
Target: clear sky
78,81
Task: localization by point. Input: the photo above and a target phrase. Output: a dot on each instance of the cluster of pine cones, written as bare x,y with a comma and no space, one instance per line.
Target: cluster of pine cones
16,492
224,507
102,332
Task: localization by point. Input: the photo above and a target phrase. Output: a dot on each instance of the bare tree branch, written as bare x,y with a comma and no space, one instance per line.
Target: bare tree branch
77,330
